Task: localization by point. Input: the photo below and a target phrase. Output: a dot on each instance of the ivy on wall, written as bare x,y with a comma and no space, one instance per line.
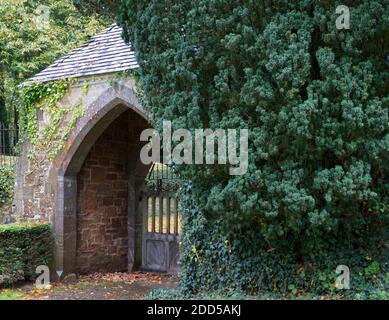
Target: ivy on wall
45,98
6,184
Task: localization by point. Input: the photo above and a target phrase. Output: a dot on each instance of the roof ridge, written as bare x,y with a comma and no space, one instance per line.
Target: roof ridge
104,31
94,56
85,44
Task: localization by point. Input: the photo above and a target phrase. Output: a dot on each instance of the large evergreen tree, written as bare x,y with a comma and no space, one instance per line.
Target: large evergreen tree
315,100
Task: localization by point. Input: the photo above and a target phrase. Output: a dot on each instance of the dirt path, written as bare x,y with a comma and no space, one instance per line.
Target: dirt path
116,286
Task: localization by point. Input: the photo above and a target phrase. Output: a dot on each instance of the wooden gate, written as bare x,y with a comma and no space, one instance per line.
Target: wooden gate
161,222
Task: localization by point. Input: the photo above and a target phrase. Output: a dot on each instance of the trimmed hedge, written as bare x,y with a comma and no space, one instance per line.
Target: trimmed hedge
23,247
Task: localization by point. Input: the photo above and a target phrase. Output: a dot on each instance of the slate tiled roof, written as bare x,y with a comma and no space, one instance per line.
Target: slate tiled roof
104,53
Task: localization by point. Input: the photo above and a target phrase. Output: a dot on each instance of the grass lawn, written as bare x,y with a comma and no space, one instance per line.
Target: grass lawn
11,294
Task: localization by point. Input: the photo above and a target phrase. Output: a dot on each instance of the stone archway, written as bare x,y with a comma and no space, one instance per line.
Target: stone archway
78,248
48,184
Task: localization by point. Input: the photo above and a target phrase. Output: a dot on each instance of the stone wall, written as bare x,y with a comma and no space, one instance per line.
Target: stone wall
102,202
36,186
91,190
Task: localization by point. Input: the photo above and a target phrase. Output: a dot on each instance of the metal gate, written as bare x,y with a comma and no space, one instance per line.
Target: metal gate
9,138
161,221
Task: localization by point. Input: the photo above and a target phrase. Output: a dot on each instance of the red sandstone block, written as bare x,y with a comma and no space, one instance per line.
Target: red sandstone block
122,194
120,185
104,161
97,175
90,205
108,201
111,176
119,203
101,188
119,167
91,162
110,212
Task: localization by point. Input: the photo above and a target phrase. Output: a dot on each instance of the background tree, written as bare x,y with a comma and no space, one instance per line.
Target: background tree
103,8
27,44
315,100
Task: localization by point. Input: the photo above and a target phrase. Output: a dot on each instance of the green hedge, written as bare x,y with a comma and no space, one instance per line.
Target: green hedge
23,247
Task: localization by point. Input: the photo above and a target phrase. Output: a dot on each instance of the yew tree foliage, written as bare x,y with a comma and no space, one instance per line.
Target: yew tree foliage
315,100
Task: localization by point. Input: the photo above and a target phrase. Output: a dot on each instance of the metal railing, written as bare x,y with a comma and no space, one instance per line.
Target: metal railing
9,138
162,178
